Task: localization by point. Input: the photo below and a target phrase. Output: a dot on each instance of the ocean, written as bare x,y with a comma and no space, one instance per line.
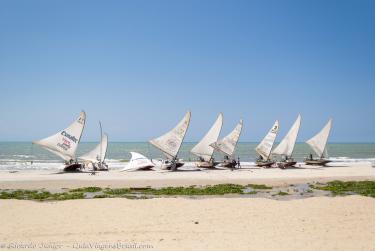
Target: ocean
24,155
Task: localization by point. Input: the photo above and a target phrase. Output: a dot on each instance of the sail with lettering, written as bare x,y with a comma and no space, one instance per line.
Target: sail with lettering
203,148
286,145
265,147
228,144
170,142
64,143
319,142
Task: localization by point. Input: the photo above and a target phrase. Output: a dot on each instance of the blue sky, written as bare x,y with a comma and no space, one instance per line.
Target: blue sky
138,66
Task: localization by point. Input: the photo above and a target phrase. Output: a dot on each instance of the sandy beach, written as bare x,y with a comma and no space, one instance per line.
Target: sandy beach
340,223
49,179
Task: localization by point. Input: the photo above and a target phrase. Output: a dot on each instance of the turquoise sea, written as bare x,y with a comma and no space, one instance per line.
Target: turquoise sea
19,155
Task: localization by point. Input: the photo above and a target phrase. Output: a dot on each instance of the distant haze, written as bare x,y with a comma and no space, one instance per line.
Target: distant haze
138,66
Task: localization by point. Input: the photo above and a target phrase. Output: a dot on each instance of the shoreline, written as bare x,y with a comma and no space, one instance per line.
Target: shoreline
49,179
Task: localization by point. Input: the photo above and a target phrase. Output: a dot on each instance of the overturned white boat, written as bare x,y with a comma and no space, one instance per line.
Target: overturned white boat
227,146
286,147
318,143
64,143
96,157
138,162
170,143
203,149
265,147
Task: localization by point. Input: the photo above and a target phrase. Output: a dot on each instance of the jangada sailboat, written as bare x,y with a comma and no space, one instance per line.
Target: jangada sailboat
265,147
97,156
138,162
227,146
286,146
319,144
170,143
203,149
64,143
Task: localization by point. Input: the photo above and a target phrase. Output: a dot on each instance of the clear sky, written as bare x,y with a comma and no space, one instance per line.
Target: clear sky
138,66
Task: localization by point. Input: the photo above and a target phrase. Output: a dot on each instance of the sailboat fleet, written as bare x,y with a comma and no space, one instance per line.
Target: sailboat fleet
65,143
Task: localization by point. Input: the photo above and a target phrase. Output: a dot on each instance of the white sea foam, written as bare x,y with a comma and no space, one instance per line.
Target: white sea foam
351,160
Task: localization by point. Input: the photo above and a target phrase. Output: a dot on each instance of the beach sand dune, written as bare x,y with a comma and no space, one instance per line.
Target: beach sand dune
320,223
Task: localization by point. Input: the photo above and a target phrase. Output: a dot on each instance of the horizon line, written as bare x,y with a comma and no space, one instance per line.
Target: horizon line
192,142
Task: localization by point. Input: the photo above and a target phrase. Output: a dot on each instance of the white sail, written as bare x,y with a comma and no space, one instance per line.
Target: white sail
227,145
265,147
138,162
319,142
286,146
170,142
99,152
203,148
65,142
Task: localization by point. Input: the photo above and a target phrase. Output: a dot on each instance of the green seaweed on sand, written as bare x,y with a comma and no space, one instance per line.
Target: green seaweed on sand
101,196
116,191
86,190
281,193
219,189
365,188
130,193
39,195
257,186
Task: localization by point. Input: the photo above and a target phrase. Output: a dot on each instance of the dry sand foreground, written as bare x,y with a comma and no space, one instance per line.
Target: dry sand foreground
322,223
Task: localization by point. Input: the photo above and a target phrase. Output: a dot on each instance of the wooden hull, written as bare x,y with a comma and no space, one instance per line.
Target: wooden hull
205,164
228,164
169,165
264,163
286,164
101,167
317,162
76,167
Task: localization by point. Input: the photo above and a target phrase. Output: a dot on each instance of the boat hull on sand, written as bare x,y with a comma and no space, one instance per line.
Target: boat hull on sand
101,167
286,164
76,167
168,165
206,164
265,163
317,162
228,164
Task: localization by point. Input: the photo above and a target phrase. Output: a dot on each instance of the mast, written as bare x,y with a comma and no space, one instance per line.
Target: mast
101,141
